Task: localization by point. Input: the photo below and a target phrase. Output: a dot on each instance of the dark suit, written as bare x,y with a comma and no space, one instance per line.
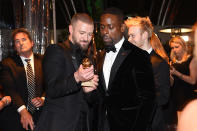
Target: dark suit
14,82
128,102
162,85
64,103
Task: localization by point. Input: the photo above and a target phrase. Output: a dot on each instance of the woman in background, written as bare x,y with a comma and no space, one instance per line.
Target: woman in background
188,118
183,74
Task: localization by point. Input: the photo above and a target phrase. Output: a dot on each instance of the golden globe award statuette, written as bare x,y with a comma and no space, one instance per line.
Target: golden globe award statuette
86,63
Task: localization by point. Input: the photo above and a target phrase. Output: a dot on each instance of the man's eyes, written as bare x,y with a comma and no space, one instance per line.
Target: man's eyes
131,35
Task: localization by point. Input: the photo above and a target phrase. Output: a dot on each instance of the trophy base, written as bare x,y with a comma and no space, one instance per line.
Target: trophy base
87,83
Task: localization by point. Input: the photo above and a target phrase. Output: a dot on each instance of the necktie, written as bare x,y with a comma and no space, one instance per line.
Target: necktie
110,48
30,86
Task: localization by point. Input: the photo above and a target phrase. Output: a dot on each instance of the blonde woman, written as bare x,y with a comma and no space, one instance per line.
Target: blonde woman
188,120
183,73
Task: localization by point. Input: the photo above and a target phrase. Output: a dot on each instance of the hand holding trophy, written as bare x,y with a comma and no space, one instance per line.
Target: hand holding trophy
86,63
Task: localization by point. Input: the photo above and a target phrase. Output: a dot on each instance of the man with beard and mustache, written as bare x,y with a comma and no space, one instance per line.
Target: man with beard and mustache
126,85
65,106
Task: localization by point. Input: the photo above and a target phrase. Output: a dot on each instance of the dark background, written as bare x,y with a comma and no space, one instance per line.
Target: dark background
174,12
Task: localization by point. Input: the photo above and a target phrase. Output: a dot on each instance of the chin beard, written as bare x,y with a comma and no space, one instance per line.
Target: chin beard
81,50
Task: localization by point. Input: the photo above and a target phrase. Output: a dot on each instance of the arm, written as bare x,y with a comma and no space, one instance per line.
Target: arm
146,93
59,74
191,79
8,81
162,82
6,100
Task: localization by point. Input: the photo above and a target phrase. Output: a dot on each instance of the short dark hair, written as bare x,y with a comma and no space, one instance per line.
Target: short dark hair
82,17
20,30
115,11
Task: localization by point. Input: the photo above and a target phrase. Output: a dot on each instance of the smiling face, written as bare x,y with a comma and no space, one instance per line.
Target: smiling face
111,29
81,34
23,44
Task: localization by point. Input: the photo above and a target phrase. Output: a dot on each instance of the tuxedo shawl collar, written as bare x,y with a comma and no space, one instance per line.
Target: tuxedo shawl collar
69,53
122,54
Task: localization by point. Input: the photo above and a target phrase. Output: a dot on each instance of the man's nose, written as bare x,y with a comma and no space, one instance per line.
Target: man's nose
85,38
106,31
21,42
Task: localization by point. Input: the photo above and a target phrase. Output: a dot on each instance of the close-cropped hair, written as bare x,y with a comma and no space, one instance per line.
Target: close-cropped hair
81,17
144,23
20,30
115,11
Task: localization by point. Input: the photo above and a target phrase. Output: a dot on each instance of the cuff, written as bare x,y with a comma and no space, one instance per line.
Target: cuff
21,108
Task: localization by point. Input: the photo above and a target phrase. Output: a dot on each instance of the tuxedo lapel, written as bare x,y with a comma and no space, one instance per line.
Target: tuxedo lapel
21,70
122,54
101,58
67,48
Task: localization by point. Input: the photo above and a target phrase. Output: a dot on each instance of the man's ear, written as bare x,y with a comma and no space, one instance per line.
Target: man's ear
32,43
145,35
123,27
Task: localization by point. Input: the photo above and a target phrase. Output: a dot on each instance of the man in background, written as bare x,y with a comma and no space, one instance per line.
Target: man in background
140,32
22,79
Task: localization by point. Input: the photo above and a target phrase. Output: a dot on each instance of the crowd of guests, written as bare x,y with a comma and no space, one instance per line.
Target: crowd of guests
133,84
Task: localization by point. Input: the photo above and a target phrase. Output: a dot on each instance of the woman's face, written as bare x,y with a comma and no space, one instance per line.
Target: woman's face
177,48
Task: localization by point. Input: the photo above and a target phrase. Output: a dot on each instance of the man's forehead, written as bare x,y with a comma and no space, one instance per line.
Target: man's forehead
21,34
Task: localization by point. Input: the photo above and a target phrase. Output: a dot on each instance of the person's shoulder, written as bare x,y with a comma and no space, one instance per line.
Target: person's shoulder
53,48
9,60
155,58
37,55
136,51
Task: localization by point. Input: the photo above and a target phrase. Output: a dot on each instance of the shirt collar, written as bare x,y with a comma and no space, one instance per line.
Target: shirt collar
23,58
119,44
149,50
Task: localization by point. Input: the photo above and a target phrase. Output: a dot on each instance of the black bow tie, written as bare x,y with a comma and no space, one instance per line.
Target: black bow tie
110,48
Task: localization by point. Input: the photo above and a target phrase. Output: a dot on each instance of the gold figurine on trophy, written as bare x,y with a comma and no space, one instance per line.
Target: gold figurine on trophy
86,63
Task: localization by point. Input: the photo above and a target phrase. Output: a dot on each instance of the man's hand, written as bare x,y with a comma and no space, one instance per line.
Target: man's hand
26,119
6,100
37,102
91,88
82,74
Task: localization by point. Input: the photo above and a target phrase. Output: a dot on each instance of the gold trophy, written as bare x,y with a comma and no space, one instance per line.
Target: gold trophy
86,63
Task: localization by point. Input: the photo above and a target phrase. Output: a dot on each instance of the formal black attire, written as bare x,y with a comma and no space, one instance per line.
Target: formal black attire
65,108
161,73
183,92
14,81
127,104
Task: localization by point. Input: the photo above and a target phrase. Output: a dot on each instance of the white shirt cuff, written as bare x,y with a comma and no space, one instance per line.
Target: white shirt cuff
21,108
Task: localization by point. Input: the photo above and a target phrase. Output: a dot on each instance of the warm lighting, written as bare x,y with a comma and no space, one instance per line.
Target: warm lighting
176,30
52,41
186,38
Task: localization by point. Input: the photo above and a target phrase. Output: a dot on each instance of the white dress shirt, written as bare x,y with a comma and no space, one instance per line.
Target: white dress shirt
109,60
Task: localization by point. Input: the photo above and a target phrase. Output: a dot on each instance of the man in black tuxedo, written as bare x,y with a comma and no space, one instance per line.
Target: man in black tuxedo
15,81
65,106
126,86
141,34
